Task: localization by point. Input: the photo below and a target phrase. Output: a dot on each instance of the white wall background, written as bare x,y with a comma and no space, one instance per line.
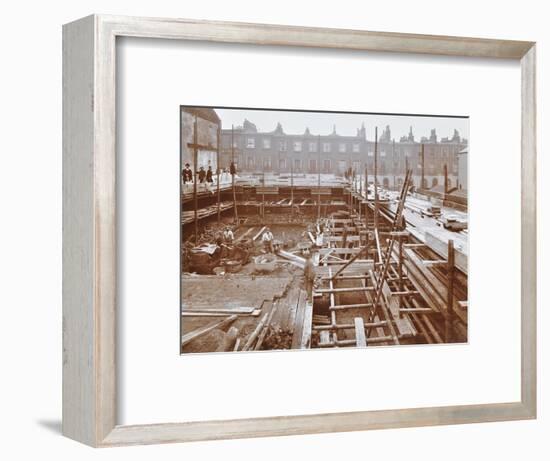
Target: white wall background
30,243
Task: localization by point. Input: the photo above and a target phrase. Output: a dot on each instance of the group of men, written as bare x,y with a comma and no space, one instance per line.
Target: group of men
202,175
224,241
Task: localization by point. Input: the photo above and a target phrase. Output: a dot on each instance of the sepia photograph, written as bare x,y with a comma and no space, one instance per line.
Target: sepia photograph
315,230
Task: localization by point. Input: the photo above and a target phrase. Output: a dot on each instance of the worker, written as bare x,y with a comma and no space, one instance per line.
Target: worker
267,240
187,174
228,236
209,179
201,174
219,239
309,276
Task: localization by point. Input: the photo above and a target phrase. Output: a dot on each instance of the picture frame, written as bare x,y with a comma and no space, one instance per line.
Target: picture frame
89,229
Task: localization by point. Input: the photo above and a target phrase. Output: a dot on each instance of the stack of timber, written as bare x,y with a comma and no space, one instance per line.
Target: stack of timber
189,216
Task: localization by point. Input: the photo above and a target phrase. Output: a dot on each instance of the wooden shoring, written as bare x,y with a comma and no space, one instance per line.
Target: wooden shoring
218,172
236,216
195,179
395,225
449,312
385,312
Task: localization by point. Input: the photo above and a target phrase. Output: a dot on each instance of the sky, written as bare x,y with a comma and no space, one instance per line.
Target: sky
346,124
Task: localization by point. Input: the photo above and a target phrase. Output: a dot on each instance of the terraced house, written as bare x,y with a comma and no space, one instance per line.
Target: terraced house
280,152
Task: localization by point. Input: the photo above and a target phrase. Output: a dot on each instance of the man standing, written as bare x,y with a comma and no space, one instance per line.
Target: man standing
267,240
209,179
309,276
228,236
187,174
201,174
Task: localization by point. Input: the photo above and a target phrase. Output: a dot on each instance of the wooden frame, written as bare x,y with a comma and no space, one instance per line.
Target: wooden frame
89,246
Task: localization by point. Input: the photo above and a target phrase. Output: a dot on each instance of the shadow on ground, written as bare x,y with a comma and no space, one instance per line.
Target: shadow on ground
52,425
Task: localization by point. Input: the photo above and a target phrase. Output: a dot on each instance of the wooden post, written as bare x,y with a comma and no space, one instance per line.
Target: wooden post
195,167
263,190
394,163
367,206
291,186
400,274
449,317
218,173
445,180
376,178
319,177
422,167
233,175
360,195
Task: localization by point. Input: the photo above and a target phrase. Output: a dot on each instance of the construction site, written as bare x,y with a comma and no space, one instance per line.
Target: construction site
295,260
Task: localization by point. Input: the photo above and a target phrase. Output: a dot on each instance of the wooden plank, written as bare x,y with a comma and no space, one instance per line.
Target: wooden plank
292,307
187,338
214,310
307,324
254,313
255,333
274,308
324,337
436,239
403,324
339,307
339,251
299,322
83,413
337,238
291,257
429,285
360,337
241,237
344,290
260,232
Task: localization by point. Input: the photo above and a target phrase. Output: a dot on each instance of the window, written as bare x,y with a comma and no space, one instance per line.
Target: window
267,163
312,166
250,143
250,162
267,143
326,147
297,164
355,147
382,153
326,166
282,164
370,153
282,146
297,146
313,147
341,147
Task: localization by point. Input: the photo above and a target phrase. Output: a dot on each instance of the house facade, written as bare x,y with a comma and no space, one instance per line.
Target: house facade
308,153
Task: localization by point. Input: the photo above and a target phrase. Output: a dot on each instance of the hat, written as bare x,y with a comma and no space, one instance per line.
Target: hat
187,164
